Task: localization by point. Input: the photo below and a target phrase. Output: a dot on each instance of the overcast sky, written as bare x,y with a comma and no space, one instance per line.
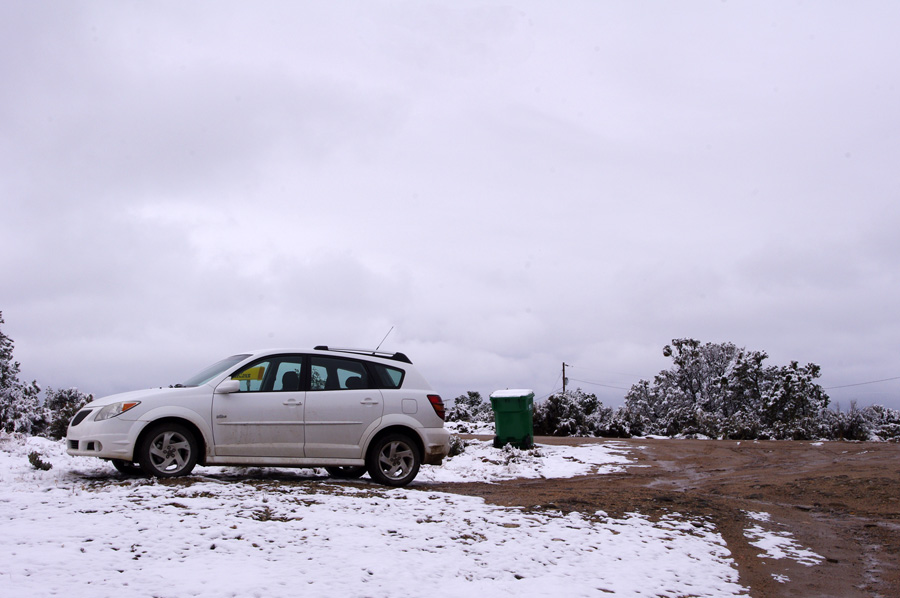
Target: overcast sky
509,185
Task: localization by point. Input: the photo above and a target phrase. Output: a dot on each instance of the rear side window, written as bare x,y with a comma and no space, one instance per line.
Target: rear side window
386,376
334,373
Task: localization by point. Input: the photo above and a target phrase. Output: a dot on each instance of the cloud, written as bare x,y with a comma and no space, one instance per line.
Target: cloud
509,187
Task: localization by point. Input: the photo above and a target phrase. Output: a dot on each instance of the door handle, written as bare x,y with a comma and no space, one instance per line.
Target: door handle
292,403
368,402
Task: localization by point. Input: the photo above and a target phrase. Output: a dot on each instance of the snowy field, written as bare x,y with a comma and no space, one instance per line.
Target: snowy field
81,530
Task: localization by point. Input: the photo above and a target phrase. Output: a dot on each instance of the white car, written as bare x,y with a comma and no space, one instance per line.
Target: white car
347,410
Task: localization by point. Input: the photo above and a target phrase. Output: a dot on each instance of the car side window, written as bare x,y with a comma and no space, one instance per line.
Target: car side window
252,377
334,373
288,375
386,376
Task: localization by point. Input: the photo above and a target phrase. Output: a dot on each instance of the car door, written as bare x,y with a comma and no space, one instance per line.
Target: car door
340,407
264,418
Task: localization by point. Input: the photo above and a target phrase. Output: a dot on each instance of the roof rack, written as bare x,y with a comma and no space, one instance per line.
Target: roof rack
383,354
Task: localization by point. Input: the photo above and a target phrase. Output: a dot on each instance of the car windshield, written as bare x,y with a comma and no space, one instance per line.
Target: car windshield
214,370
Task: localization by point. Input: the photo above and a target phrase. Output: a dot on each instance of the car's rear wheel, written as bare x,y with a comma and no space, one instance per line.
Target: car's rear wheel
168,450
347,472
393,460
127,467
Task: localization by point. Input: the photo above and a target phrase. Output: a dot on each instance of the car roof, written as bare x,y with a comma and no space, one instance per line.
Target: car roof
367,352
370,353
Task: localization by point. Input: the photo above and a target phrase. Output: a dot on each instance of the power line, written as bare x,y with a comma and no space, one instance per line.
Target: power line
599,384
544,396
557,380
863,383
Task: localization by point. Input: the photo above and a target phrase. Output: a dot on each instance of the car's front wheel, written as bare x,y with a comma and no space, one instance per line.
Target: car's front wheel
393,460
168,450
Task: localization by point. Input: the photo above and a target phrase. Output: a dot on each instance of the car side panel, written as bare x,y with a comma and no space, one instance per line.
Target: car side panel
435,441
193,415
116,438
338,420
259,424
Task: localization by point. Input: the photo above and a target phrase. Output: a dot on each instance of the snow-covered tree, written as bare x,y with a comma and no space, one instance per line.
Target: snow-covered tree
699,372
639,414
794,402
470,407
843,425
20,406
572,413
60,407
689,398
882,423
719,390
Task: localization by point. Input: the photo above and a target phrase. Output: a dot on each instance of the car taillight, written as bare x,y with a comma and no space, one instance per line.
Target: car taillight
438,405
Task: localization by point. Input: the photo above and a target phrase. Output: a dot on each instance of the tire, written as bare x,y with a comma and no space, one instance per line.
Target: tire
168,450
393,460
346,473
127,467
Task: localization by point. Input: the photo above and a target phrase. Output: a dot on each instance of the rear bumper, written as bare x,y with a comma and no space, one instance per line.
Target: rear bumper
436,443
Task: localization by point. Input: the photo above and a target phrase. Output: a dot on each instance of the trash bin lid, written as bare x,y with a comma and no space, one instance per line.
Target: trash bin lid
512,393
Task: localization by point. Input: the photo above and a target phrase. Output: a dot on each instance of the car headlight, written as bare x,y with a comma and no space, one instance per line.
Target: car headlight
114,409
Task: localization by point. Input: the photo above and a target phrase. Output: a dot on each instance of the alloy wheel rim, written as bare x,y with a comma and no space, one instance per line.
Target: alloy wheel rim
396,460
170,451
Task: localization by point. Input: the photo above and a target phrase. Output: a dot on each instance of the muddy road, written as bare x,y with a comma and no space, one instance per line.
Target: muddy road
840,500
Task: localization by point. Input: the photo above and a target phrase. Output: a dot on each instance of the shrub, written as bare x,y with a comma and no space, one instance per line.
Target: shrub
470,407
20,407
573,413
457,446
61,406
35,459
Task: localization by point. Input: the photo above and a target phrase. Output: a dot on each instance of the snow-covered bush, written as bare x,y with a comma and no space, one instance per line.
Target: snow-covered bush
457,446
722,391
572,413
510,455
20,406
844,425
470,407
743,425
882,423
61,406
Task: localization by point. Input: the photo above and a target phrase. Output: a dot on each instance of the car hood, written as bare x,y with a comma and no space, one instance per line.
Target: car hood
149,394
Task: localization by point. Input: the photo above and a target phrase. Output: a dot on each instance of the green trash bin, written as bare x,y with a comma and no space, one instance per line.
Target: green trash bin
512,418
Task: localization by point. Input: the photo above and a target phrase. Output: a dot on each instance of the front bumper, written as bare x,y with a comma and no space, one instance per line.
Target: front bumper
108,439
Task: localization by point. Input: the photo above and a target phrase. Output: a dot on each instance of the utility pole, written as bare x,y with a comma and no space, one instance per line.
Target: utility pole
565,380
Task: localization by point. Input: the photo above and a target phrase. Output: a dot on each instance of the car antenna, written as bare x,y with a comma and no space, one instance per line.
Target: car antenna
385,338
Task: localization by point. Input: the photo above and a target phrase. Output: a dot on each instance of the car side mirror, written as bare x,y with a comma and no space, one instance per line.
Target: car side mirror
228,386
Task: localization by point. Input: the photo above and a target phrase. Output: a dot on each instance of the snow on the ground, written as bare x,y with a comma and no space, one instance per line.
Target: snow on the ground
778,544
481,462
470,427
81,530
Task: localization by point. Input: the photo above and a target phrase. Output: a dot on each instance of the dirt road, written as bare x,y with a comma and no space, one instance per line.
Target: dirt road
839,500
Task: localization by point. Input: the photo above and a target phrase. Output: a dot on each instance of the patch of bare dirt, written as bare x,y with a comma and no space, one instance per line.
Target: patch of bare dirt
840,500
